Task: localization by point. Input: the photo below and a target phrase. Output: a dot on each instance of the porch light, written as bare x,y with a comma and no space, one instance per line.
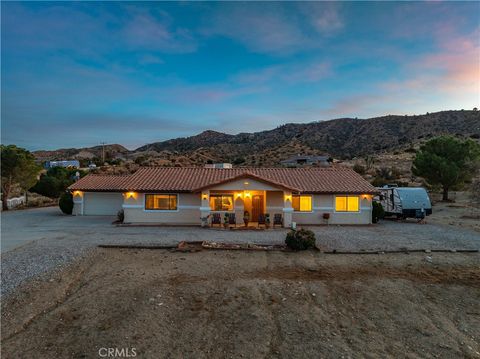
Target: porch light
77,193
130,194
204,196
247,194
365,196
238,194
288,197
245,183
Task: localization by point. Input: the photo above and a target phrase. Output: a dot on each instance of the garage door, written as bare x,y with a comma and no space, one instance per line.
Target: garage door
102,204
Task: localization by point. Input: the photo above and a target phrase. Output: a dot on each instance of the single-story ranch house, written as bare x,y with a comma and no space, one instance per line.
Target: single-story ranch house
185,195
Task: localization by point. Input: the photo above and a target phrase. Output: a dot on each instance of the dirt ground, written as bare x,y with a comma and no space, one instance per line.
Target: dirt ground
216,304
459,212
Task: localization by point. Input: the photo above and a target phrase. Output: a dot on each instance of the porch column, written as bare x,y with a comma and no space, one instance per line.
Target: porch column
287,209
239,207
205,207
77,203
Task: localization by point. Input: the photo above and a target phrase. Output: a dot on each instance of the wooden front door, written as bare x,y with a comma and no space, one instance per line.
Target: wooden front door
257,207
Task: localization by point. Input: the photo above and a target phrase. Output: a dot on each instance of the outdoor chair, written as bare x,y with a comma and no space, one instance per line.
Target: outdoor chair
232,219
261,219
216,219
277,219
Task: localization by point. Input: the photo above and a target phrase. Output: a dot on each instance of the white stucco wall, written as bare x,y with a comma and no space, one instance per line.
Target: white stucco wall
326,204
188,210
97,203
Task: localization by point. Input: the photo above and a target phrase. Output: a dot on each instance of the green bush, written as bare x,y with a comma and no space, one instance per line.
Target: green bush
48,186
377,212
300,240
66,203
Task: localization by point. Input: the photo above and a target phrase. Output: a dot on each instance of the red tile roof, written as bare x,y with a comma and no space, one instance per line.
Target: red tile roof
98,183
193,179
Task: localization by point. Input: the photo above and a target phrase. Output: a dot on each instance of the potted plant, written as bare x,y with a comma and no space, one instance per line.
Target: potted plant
225,220
267,220
246,218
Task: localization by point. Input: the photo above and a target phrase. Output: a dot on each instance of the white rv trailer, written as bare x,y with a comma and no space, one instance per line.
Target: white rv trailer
405,202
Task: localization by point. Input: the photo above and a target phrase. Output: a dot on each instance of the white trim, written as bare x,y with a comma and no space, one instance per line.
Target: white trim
132,206
288,210
204,209
323,208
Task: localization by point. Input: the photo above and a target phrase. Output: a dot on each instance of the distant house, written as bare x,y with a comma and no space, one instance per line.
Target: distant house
182,196
303,160
66,164
218,165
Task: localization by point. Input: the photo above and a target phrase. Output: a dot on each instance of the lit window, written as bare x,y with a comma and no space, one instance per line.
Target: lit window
221,202
347,204
302,203
161,202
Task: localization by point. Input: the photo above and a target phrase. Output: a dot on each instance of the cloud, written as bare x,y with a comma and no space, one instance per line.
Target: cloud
323,16
272,28
155,30
287,73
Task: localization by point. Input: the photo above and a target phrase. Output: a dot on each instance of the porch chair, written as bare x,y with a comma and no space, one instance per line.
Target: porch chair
216,219
261,220
277,219
232,219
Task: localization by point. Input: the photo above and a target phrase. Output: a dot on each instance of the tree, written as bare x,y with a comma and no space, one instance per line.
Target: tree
447,161
55,181
18,166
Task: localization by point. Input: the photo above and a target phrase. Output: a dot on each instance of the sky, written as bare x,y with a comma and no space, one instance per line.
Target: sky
75,74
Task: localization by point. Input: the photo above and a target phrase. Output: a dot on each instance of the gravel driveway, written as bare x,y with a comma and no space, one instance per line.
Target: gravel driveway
36,241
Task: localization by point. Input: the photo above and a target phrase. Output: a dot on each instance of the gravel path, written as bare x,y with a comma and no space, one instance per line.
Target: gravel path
44,240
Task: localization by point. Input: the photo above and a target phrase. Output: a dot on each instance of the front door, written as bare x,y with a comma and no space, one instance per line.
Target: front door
257,207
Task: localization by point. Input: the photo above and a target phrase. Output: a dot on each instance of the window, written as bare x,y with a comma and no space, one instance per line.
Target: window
347,204
302,203
161,202
221,202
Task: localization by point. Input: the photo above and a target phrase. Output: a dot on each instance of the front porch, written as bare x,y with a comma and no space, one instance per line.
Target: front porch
250,204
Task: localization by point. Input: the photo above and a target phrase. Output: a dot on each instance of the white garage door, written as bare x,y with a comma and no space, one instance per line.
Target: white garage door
102,204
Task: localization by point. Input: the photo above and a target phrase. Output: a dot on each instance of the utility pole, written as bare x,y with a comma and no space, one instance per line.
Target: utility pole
103,152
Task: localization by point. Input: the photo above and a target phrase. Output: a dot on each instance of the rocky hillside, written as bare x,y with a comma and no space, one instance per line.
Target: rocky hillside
342,138
81,153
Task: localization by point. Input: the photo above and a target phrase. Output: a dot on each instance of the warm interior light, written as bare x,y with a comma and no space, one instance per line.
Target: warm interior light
238,194
247,194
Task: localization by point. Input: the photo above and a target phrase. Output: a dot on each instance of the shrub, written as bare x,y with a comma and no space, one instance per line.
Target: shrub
66,203
359,168
120,216
377,212
48,186
300,240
